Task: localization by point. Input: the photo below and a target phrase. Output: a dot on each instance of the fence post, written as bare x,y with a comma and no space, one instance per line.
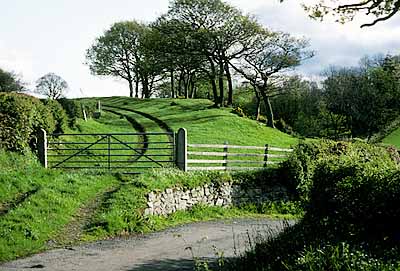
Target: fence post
266,155
109,151
225,157
42,147
181,149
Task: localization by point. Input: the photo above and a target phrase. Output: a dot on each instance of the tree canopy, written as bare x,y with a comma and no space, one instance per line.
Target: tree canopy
9,82
380,10
52,86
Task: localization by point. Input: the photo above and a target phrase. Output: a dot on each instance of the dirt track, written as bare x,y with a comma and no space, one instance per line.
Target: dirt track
165,250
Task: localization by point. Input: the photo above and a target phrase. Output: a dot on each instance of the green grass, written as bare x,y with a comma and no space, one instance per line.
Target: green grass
28,225
393,138
205,124
123,212
36,204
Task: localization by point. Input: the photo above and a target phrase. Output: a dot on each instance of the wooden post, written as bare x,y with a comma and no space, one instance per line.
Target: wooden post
225,157
99,106
266,156
42,147
84,114
181,149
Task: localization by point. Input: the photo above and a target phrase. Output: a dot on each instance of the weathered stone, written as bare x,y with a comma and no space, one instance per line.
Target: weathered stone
219,202
151,196
148,212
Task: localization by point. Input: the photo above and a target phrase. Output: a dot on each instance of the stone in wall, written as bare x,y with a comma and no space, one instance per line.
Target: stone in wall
224,195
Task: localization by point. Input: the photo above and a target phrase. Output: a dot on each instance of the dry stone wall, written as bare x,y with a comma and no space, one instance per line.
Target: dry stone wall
225,194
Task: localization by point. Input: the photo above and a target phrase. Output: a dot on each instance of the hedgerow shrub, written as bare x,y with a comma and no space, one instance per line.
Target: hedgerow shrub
59,115
351,194
358,195
298,171
21,116
73,109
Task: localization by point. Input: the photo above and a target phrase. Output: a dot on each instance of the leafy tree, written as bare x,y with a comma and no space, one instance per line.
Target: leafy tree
381,10
116,53
271,54
52,86
9,82
216,31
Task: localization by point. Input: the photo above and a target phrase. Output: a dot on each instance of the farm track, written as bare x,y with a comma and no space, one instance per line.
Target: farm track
169,250
5,208
164,126
139,128
72,232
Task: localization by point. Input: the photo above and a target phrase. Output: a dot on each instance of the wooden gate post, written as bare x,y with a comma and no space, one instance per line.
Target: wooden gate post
181,149
42,147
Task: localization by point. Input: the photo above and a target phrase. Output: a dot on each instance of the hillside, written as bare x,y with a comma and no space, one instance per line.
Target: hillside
393,138
204,124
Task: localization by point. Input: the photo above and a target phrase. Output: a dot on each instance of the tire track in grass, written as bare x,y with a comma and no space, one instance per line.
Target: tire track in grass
163,125
83,219
6,207
138,127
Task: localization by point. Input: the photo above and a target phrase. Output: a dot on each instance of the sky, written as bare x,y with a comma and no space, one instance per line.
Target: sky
42,36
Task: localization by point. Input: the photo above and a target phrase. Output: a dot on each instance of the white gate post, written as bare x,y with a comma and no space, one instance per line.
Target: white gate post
181,149
42,147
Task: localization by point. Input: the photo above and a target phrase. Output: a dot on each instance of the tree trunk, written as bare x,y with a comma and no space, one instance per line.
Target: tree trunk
221,83
230,85
130,82
192,87
212,77
172,85
181,77
268,107
137,87
186,86
258,104
145,87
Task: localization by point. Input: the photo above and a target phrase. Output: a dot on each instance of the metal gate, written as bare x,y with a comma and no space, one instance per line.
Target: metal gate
122,152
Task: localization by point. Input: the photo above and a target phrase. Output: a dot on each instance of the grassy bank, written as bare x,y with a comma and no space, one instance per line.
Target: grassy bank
29,222
393,138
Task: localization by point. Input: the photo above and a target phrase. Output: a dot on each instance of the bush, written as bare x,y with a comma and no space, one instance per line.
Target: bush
21,116
73,109
59,115
358,196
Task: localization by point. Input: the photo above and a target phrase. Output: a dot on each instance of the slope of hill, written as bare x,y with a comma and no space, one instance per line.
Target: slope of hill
203,123
393,138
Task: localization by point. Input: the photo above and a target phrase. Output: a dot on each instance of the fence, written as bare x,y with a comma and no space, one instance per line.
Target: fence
219,156
125,152
136,152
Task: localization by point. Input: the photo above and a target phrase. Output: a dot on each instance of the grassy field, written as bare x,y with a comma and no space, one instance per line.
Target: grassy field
393,138
204,124
44,208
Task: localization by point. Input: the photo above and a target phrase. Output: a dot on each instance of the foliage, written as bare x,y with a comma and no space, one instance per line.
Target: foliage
9,82
117,53
382,10
59,115
351,212
51,86
21,118
301,166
